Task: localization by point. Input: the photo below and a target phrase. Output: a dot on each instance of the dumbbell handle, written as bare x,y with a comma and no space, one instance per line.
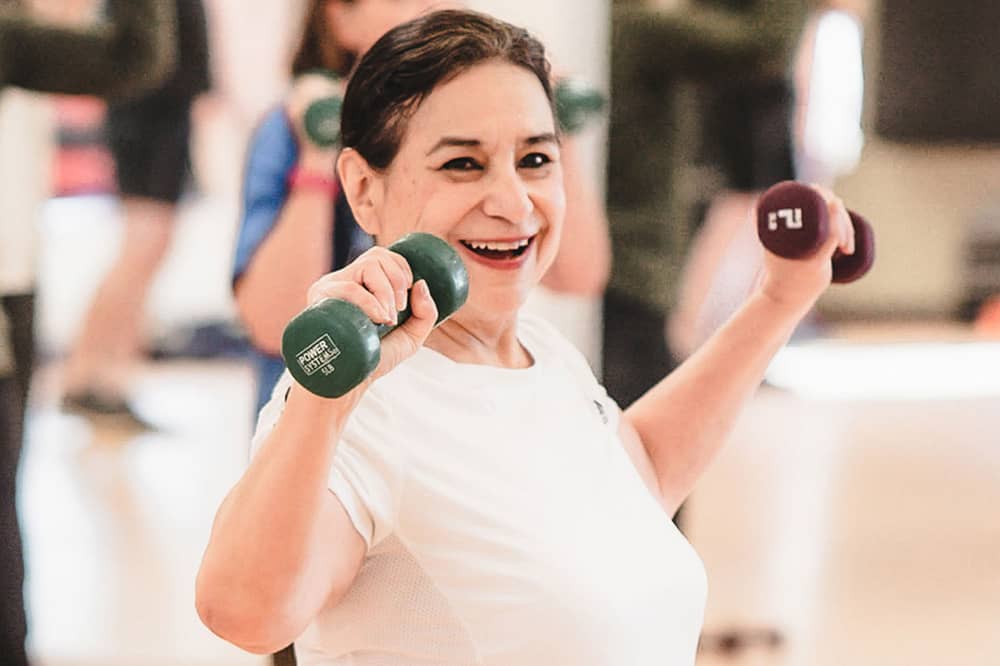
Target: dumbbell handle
793,222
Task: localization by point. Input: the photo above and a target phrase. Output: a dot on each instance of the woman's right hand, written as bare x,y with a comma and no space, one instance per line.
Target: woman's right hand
380,282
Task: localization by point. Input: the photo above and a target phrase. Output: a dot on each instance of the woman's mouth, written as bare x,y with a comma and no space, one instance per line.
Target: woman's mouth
499,250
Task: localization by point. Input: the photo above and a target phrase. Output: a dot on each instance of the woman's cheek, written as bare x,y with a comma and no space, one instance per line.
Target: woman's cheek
552,200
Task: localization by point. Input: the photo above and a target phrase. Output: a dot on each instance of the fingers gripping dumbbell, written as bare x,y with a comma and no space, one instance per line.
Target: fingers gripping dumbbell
331,347
322,117
793,222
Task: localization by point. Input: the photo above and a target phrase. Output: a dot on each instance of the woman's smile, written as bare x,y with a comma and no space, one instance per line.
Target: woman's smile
503,254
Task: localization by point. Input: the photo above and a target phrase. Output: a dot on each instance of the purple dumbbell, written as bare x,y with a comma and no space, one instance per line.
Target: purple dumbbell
793,222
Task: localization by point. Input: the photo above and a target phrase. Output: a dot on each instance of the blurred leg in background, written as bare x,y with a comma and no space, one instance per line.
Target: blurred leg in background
149,139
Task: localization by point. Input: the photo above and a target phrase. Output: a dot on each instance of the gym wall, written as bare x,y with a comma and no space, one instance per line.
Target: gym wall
920,187
938,80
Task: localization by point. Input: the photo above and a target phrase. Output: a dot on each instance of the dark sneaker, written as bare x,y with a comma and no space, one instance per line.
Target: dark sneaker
93,404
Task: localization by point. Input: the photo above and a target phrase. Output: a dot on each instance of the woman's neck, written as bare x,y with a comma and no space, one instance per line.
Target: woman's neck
480,342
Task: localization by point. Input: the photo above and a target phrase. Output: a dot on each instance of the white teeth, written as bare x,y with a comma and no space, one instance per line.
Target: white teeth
498,246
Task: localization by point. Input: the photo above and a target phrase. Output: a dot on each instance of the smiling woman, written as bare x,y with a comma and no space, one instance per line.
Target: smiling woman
294,207
478,499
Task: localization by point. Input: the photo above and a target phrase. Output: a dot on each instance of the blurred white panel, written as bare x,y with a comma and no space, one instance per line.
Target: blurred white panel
908,371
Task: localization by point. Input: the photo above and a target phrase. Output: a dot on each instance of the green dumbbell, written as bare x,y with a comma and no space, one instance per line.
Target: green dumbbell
577,104
322,117
332,346
322,121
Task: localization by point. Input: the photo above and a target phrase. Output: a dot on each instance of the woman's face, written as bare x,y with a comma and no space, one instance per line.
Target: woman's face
479,166
357,24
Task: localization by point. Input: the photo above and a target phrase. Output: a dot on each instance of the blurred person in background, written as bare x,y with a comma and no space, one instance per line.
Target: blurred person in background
26,150
131,50
149,138
820,131
701,109
296,223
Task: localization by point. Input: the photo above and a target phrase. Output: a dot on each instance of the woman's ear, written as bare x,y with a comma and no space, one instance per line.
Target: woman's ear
362,187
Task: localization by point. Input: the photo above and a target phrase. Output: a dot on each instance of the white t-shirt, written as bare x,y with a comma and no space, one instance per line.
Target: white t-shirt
506,524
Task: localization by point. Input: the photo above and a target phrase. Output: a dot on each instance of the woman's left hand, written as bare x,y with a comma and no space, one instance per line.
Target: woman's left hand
800,282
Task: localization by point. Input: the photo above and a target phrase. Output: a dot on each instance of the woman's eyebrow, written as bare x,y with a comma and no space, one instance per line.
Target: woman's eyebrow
548,137
462,142
452,141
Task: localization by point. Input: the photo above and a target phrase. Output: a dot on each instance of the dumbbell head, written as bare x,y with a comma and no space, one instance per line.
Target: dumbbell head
322,121
793,222
432,259
331,347
322,118
850,267
577,104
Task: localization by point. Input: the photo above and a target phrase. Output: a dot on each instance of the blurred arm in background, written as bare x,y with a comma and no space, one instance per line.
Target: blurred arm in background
133,49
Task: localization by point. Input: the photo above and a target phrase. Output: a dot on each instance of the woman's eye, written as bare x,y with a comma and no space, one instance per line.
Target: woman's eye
461,164
534,161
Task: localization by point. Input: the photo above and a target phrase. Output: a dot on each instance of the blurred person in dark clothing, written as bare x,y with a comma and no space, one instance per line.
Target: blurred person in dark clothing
132,49
820,124
701,108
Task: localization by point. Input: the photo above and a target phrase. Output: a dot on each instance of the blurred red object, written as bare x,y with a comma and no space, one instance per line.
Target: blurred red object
988,320
82,163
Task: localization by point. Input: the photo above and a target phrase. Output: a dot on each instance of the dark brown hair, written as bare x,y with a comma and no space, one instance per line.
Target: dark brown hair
317,49
411,60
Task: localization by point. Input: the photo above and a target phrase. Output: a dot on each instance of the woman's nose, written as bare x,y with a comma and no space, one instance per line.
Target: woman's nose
508,197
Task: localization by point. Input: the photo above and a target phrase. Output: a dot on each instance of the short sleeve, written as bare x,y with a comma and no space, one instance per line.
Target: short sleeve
367,471
270,412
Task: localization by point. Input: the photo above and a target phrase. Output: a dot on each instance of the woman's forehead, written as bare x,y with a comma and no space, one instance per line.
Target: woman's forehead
487,97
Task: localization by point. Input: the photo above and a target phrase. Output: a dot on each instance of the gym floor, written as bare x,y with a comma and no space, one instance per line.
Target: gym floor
855,509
